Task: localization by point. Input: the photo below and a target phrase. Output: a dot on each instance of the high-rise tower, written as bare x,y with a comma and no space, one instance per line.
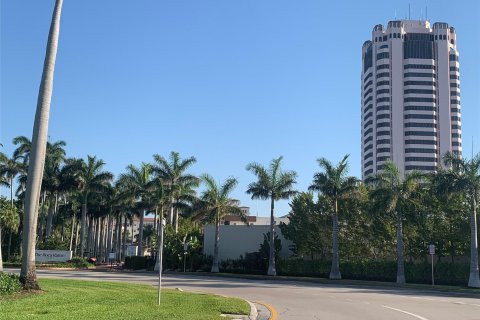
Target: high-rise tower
410,96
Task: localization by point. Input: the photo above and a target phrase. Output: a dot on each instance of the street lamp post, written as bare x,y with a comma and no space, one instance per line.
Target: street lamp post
159,257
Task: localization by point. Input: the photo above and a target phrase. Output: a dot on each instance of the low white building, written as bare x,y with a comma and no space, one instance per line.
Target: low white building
236,240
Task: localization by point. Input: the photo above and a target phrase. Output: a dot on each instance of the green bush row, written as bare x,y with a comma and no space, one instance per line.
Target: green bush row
9,283
445,273
139,263
76,263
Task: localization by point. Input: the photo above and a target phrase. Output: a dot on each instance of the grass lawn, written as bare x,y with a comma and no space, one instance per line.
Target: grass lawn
75,299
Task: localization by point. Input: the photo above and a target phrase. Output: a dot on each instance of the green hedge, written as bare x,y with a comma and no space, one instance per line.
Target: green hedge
138,263
446,273
9,283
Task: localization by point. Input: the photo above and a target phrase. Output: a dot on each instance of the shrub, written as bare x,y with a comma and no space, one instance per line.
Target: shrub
9,283
445,273
138,263
79,262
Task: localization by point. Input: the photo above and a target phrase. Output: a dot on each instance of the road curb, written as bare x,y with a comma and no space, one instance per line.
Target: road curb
271,309
253,311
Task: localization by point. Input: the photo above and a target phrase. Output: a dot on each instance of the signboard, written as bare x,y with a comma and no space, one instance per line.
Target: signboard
132,251
431,248
112,256
52,255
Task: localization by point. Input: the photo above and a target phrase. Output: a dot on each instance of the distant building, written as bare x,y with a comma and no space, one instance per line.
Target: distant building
410,96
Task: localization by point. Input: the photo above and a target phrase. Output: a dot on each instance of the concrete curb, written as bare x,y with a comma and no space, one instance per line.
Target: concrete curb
253,311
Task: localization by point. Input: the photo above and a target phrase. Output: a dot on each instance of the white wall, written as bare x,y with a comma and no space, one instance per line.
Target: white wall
240,239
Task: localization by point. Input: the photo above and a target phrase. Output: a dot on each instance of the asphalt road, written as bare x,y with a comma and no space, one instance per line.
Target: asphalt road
299,300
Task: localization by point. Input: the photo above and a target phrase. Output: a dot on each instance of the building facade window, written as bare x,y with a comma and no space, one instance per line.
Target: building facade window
416,99
418,75
416,141
419,91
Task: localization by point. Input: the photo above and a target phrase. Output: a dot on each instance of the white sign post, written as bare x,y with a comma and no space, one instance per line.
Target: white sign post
431,249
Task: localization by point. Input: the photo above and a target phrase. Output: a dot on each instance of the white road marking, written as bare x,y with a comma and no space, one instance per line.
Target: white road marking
474,304
406,312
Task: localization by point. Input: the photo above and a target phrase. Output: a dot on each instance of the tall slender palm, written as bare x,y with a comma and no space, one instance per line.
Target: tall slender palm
464,176
394,195
273,184
172,172
140,183
215,203
335,184
51,178
91,179
28,274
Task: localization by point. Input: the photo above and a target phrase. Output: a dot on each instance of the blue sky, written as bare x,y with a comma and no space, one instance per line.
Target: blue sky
229,82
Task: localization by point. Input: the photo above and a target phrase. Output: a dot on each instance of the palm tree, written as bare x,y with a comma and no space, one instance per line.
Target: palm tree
28,274
51,179
9,168
215,203
273,184
140,184
394,195
91,179
23,150
9,218
172,173
464,177
336,186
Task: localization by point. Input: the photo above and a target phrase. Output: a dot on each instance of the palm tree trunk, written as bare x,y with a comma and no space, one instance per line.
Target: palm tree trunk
171,212
48,232
28,275
215,247
96,237
90,237
72,231
124,245
109,235
11,231
1,259
101,236
400,259
9,248
118,236
76,240
176,220
473,279
140,233
83,222
155,221
272,271
335,270
40,218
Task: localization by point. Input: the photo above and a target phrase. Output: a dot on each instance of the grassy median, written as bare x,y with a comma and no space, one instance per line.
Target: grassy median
74,299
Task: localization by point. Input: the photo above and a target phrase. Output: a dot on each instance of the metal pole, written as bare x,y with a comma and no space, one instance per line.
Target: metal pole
160,256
